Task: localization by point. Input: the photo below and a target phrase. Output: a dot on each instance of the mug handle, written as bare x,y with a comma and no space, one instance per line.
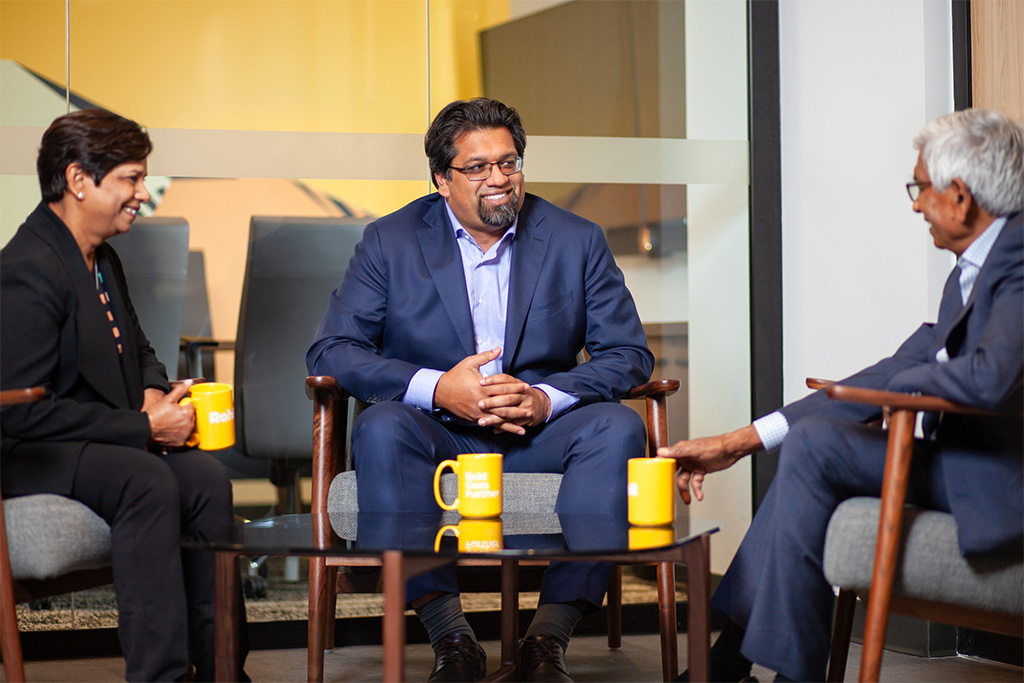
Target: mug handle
440,533
454,464
193,440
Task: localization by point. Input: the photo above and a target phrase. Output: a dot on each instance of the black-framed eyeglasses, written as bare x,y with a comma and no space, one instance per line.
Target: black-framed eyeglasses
914,188
482,171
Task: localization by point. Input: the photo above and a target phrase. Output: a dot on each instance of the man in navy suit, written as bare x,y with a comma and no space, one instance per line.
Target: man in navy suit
969,186
460,320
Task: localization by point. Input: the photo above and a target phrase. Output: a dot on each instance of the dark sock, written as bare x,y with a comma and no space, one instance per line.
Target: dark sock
443,616
727,664
557,619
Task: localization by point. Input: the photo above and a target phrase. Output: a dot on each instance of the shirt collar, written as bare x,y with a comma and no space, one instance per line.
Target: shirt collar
978,251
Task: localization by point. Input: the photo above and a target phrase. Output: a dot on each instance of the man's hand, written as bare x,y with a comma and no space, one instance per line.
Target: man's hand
170,424
513,405
459,390
697,457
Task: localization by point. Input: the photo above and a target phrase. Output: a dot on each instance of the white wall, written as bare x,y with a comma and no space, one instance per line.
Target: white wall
859,78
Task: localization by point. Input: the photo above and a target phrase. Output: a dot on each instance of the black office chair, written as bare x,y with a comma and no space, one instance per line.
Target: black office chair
154,254
292,267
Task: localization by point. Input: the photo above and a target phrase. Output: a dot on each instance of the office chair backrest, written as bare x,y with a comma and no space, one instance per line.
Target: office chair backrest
293,265
196,317
154,254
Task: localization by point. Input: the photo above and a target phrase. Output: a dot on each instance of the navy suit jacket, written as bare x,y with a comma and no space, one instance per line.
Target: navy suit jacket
54,333
403,305
983,457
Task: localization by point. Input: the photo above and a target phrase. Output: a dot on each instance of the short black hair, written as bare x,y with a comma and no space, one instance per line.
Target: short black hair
96,139
461,117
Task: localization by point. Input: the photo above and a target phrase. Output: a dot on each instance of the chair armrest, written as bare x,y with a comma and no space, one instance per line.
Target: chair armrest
191,341
10,397
818,383
328,435
661,387
193,347
321,388
901,401
656,393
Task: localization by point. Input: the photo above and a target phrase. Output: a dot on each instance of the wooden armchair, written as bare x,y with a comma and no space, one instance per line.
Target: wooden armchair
923,577
334,486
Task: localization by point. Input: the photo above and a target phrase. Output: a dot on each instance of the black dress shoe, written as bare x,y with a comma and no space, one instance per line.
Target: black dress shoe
541,658
458,658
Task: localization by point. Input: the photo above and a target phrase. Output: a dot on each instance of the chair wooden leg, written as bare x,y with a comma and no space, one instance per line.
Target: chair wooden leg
10,639
318,599
894,496
845,606
667,614
615,608
331,611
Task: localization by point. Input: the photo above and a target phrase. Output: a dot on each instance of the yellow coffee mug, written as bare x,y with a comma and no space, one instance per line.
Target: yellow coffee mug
475,535
652,491
479,493
215,415
642,537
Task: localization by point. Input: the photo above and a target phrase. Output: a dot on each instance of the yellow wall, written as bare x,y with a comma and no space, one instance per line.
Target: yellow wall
297,65
313,65
362,66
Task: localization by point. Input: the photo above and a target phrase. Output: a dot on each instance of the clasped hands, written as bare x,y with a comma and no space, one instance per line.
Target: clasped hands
501,402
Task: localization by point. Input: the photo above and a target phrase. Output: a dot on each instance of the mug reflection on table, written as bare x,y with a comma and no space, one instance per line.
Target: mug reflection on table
475,535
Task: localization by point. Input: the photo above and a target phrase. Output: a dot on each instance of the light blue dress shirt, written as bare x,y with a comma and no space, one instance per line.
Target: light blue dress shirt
487,281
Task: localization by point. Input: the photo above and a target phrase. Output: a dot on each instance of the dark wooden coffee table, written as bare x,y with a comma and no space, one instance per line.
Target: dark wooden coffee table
526,538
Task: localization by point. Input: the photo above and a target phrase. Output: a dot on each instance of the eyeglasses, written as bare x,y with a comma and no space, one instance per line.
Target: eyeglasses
914,188
483,171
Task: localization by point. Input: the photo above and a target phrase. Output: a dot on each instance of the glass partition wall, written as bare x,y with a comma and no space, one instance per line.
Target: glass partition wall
635,110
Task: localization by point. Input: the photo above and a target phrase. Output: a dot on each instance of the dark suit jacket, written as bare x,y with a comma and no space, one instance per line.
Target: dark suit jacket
54,333
402,306
983,458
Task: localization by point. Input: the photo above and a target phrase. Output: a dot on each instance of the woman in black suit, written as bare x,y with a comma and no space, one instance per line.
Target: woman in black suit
110,431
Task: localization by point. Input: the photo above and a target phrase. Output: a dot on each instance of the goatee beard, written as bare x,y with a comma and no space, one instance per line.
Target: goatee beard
499,216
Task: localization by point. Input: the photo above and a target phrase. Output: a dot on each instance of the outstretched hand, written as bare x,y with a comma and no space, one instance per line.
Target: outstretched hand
697,457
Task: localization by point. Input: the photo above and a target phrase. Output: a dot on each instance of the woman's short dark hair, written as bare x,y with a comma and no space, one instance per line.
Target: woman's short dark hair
461,117
97,139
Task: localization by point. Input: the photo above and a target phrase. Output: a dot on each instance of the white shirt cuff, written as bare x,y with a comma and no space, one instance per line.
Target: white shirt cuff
560,401
771,429
420,392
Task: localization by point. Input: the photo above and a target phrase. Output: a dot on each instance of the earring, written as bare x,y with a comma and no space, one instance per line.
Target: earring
81,195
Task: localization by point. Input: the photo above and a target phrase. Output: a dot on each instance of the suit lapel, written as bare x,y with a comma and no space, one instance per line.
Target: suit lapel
953,331
442,256
98,361
528,254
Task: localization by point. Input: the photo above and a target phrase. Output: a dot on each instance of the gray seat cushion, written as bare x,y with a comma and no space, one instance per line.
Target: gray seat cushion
50,535
527,502
930,565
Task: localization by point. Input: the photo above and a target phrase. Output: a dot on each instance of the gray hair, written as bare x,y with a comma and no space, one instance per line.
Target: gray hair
983,148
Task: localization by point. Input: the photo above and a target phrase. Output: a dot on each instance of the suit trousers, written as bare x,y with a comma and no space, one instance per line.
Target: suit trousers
775,588
396,449
165,595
